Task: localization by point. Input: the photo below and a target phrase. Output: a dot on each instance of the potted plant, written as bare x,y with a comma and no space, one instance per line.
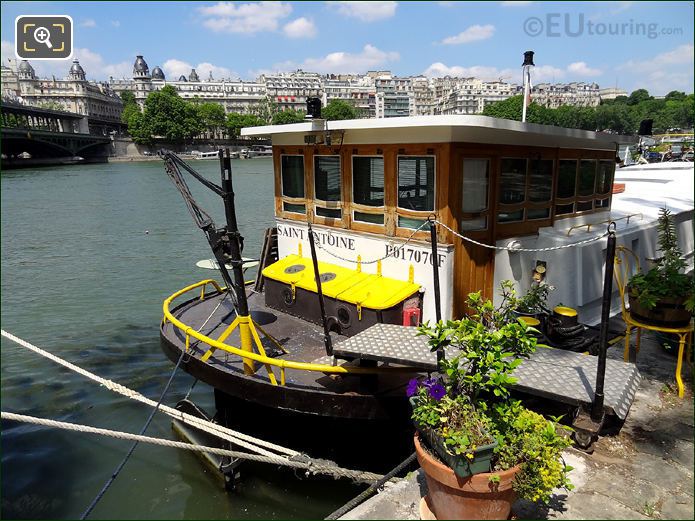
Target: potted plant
534,302
664,295
526,453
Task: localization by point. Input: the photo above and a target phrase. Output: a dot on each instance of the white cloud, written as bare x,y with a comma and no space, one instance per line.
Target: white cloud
619,7
447,4
116,23
336,62
515,4
300,28
682,54
670,70
88,22
474,33
582,69
439,69
366,11
94,65
540,74
7,51
174,68
244,18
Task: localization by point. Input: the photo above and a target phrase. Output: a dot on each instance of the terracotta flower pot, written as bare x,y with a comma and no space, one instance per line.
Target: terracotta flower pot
474,497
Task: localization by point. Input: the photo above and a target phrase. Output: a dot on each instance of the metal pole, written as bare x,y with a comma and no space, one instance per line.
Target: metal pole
597,405
435,277
317,276
233,232
526,87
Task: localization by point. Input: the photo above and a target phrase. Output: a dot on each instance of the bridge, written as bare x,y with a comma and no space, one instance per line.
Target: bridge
35,136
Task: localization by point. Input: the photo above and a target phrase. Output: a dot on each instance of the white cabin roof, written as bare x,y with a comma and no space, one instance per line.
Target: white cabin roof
441,129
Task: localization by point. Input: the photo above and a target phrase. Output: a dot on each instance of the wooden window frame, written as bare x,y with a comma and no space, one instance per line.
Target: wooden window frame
281,199
320,219
363,208
487,212
413,214
591,198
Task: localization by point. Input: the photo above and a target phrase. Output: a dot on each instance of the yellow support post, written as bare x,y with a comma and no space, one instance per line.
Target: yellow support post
246,340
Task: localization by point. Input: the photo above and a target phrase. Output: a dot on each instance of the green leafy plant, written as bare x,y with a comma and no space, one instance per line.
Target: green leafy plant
535,300
666,279
471,402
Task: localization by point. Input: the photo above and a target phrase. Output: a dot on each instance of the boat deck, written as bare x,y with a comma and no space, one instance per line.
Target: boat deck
558,375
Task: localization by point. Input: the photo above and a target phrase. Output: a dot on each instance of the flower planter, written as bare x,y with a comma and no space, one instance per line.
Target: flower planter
475,497
461,465
668,312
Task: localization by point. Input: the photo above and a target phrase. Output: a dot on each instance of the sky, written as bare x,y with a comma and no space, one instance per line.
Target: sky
625,44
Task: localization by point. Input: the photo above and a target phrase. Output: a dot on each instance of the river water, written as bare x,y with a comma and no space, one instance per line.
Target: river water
88,254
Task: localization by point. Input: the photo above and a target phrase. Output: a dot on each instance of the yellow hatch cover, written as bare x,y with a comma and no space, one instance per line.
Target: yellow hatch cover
362,289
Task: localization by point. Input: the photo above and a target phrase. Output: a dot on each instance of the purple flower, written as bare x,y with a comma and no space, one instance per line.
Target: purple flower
430,382
412,387
437,391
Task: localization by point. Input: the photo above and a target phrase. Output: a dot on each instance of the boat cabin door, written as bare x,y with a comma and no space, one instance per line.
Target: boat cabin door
472,203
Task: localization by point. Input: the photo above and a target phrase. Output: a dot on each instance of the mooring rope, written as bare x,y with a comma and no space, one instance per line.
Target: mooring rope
310,466
244,440
130,452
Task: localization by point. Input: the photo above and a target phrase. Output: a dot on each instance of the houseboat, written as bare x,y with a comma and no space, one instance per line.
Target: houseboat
506,198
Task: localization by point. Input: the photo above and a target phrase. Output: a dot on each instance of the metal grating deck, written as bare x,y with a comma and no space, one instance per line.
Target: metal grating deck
555,374
389,343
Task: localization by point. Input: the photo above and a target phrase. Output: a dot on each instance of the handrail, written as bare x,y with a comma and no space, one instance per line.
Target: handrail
282,364
589,225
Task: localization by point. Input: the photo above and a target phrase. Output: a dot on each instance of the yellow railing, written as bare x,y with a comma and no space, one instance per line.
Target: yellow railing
250,356
589,225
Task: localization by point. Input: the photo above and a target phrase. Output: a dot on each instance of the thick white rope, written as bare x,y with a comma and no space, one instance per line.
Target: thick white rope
310,466
238,438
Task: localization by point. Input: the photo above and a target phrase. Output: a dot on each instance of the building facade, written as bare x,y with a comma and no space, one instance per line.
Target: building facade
377,94
576,94
74,93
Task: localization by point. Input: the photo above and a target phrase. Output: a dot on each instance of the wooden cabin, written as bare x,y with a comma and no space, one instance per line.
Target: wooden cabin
367,184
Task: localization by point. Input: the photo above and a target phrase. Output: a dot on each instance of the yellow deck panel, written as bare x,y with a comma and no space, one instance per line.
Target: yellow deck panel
362,289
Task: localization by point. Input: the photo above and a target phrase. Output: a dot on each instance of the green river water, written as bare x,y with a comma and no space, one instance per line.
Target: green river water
88,254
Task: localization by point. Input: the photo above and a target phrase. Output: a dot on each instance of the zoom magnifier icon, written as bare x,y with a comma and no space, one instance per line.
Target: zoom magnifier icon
43,35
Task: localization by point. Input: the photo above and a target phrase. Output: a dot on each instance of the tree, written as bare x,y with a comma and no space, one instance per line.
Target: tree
212,117
511,108
638,96
339,109
288,116
675,95
265,110
166,115
128,98
236,121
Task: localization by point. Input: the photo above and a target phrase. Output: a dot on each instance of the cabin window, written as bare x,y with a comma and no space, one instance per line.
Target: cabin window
567,178
566,185
292,176
526,188
583,185
368,189
476,182
513,181
587,177
327,184
416,183
604,179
